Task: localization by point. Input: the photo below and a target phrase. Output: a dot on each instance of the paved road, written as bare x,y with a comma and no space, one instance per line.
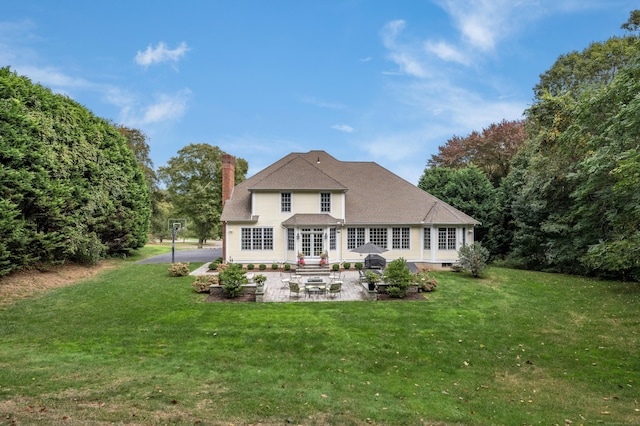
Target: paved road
200,255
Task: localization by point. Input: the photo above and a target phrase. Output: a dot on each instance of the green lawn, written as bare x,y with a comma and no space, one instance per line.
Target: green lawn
134,346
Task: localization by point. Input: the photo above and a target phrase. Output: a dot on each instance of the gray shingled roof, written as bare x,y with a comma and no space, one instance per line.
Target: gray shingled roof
375,195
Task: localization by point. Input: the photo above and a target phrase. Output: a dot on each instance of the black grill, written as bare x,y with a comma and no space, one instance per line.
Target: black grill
374,261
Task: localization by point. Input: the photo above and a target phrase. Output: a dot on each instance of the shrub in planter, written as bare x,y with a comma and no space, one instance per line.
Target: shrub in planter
179,269
287,267
274,266
372,279
358,265
335,267
262,266
203,282
250,266
346,265
259,279
232,279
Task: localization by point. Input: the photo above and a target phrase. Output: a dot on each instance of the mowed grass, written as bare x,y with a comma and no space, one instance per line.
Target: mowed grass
134,346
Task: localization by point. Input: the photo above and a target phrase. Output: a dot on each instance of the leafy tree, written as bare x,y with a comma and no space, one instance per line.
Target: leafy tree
70,186
572,208
490,150
595,66
194,186
473,258
467,189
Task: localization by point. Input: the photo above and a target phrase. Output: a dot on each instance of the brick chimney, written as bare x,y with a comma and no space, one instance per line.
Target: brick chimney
228,180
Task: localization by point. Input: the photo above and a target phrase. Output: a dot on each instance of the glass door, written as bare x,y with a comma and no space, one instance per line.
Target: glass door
312,243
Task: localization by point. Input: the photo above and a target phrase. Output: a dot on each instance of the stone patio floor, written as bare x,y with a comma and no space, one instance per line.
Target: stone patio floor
275,290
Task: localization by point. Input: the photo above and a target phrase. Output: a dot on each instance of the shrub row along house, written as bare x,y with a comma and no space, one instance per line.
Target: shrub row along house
315,205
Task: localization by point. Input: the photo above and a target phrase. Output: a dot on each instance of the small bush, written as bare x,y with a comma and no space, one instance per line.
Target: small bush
397,292
250,266
262,266
425,281
259,279
335,267
346,265
203,282
473,258
287,267
179,269
399,277
358,265
274,266
213,266
232,279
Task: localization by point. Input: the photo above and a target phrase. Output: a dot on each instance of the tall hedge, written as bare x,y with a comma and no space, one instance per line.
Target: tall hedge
70,188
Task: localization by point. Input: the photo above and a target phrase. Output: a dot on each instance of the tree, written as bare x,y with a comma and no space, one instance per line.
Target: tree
490,150
71,188
467,189
194,186
473,258
573,210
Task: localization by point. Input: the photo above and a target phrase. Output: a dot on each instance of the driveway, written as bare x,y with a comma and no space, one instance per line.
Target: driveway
199,255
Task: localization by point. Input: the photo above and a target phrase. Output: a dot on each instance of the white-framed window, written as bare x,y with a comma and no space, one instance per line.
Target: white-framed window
325,202
378,236
256,238
400,238
285,202
426,239
446,238
332,238
355,237
291,239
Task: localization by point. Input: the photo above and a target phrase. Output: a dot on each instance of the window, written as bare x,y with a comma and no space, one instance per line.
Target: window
378,236
257,238
325,202
446,238
285,202
400,238
332,238
426,244
291,239
355,238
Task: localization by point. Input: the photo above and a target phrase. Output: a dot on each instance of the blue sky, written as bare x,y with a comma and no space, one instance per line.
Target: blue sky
385,81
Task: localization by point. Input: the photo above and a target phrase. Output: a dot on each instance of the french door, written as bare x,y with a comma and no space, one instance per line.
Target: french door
312,243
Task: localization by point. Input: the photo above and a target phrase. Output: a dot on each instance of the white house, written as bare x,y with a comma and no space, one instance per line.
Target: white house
312,203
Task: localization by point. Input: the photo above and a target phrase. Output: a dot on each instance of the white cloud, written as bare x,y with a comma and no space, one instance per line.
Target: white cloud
161,53
342,128
403,55
447,52
165,108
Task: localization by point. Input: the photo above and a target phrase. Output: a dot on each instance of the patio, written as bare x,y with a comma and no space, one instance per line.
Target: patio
275,290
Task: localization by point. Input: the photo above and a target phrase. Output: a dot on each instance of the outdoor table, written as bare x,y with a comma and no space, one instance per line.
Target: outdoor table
315,285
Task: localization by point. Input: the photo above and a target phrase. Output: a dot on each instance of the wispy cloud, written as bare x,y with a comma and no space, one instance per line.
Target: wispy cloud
320,103
343,128
402,54
161,53
447,52
165,108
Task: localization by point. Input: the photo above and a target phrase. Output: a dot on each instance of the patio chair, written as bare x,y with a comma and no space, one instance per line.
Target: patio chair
295,287
335,288
285,281
336,276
